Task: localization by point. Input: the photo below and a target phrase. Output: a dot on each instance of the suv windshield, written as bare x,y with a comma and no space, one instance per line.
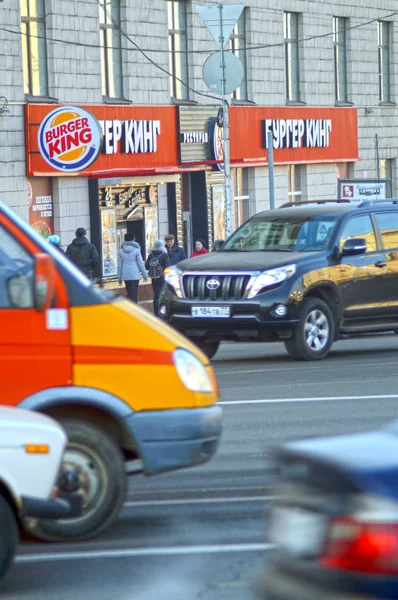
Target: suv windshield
283,234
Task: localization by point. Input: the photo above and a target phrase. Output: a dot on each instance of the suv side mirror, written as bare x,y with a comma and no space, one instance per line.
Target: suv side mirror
217,245
354,246
44,282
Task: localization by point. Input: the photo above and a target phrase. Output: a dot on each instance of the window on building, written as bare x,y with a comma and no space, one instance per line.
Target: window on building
388,225
386,171
241,196
292,71
34,53
111,53
383,43
340,58
178,57
294,183
237,45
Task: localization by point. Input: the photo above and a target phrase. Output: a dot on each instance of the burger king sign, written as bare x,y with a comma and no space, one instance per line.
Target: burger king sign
69,139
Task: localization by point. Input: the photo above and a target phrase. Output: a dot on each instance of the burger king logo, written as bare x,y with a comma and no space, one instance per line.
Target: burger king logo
69,139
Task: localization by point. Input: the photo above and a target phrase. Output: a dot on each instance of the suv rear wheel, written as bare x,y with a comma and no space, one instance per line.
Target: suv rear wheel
314,334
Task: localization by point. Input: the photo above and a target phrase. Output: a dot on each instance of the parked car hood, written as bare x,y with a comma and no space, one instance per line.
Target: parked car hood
245,261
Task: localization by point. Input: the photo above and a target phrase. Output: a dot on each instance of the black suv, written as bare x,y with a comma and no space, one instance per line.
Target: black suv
304,274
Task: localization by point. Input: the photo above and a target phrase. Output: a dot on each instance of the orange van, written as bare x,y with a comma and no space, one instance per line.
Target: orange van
123,385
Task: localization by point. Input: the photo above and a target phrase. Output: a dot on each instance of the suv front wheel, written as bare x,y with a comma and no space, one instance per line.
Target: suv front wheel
314,334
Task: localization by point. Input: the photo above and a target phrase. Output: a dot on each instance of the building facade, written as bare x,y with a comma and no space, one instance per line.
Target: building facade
139,63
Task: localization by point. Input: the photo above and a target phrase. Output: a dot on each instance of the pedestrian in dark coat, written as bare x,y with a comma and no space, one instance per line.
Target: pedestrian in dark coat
175,252
83,253
155,264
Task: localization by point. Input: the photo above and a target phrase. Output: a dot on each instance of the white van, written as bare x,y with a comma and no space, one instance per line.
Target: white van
31,451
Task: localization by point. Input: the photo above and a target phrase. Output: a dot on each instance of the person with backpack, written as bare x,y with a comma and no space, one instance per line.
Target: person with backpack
83,253
155,264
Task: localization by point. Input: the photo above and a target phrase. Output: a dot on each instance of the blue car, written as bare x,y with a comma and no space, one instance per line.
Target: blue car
334,523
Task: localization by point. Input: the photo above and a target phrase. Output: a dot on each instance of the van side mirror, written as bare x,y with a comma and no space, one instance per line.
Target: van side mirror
354,247
44,282
217,245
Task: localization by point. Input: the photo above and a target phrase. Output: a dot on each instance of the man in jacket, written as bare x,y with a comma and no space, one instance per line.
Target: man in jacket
131,266
156,263
83,253
176,253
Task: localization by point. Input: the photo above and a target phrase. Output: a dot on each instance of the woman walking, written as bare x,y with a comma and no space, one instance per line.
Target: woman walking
131,266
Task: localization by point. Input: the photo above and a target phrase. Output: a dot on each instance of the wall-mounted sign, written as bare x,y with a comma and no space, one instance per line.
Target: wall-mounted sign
301,134
297,133
217,144
195,134
100,140
194,137
69,139
357,190
130,137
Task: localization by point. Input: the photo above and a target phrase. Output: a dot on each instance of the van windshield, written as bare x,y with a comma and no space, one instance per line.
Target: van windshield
284,234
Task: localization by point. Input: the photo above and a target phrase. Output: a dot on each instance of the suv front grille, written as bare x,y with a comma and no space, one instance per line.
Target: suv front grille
232,287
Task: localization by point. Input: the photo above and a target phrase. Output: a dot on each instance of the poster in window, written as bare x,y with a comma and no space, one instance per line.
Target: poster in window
109,248
151,227
218,199
41,216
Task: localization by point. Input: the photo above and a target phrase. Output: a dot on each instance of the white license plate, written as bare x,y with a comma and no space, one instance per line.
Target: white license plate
298,531
211,311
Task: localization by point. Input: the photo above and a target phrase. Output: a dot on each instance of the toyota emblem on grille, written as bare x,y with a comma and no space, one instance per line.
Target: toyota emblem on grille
213,284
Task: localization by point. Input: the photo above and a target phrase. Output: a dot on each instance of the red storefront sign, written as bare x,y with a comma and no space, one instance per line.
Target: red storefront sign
100,141
300,134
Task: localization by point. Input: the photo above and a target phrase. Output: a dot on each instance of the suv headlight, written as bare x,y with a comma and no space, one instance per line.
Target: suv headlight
270,278
173,277
191,372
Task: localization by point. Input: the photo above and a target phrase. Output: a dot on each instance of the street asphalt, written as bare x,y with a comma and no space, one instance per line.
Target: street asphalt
200,534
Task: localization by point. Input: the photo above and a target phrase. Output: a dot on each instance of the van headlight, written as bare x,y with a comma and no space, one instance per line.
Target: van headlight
173,277
191,372
270,278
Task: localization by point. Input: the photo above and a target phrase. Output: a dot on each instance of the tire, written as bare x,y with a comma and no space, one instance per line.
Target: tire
94,466
8,537
304,344
208,348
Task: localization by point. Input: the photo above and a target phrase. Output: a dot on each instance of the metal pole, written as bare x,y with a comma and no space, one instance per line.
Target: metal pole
227,163
270,144
377,156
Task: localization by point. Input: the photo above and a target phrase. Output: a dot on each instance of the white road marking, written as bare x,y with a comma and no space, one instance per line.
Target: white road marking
137,552
300,368
320,399
172,502
200,490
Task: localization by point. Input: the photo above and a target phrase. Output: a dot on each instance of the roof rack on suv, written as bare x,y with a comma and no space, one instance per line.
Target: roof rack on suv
302,202
365,203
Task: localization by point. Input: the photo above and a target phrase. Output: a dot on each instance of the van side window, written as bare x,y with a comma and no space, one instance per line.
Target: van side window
360,227
388,225
16,273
